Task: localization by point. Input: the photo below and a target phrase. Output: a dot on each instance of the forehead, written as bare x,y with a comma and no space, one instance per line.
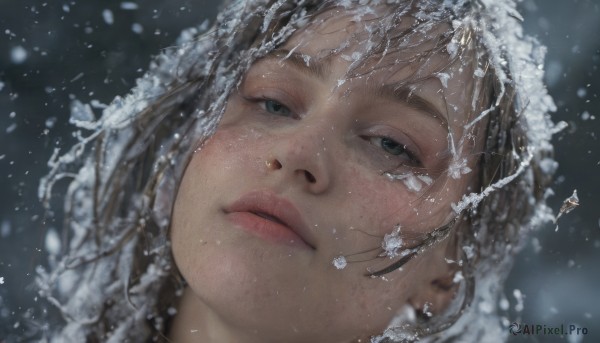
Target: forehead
372,45
363,29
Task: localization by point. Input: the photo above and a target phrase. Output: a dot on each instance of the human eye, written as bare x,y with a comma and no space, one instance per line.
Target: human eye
275,107
392,148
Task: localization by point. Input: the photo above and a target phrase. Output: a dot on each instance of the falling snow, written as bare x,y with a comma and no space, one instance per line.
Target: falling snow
119,114
18,54
50,122
586,115
519,298
12,127
5,228
137,28
128,5
52,242
108,17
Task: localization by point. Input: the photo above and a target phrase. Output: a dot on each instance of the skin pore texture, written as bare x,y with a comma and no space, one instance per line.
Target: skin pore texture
309,134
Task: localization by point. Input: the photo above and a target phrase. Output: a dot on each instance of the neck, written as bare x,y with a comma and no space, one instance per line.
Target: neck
196,322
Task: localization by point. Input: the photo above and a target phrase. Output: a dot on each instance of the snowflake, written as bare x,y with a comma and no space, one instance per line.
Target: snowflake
340,262
392,242
458,168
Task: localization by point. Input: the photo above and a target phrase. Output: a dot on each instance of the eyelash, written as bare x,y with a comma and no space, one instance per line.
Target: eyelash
410,160
265,106
413,160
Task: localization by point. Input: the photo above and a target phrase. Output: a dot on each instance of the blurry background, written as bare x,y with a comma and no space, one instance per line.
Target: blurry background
53,52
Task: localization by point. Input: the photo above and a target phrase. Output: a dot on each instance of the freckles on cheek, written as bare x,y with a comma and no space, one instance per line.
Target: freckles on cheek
378,200
229,149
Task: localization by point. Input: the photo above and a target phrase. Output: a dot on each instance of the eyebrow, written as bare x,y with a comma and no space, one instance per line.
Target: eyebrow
407,96
305,63
320,69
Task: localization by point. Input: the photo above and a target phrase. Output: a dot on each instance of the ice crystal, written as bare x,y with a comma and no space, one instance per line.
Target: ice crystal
392,243
458,167
548,165
82,115
458,277
411,181
452,48
399,329
444,77
568,205
469,251
340,262
473,199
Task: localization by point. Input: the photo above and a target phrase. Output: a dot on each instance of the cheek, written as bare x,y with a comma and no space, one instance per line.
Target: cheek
377,200
381,204
230,150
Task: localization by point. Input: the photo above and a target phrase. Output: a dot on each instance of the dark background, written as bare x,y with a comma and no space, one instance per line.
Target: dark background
54,51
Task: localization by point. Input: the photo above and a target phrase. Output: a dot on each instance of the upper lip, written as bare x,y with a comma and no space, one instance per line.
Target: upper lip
266,204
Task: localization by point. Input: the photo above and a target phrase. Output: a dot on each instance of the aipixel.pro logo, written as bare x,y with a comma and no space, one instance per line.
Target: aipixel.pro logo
542,329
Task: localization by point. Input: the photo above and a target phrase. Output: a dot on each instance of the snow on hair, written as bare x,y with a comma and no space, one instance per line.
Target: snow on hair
117,279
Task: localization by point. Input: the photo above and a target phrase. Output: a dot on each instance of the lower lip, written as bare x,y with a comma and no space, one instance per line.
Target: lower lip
266,229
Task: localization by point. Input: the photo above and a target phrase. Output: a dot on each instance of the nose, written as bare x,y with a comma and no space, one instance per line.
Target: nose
302,157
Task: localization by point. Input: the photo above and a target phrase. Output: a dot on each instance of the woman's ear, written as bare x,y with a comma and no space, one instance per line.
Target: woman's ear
435,296
439,286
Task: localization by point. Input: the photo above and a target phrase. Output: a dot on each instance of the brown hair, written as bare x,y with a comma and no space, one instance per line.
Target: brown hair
126,172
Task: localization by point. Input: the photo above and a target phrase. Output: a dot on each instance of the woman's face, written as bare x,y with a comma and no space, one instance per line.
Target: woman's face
294,177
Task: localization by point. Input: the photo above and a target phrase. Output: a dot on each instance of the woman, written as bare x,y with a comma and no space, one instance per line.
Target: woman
310,172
